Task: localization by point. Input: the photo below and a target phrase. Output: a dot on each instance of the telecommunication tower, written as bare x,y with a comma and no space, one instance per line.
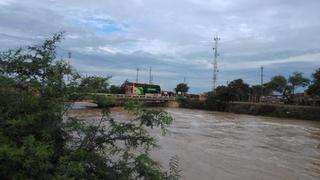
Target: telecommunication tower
215,63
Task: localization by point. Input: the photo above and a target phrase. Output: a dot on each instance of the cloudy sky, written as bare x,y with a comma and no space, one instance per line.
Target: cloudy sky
175,38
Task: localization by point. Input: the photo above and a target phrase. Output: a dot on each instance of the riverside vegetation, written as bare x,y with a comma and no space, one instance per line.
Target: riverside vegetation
296,112
234,98
39,142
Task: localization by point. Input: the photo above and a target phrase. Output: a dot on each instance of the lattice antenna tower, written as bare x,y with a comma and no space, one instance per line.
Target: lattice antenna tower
215,63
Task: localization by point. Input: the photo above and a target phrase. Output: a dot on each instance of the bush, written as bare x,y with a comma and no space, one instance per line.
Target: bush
104,101
39,142
265,109
308,113
194,104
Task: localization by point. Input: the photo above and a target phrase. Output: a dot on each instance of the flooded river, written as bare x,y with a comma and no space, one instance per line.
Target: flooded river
214,145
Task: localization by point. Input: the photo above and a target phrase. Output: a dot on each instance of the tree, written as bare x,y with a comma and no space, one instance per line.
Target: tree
222,93
297,80
32,95
115,89
39,142
278,84
314,88
182,87
218,99
239,90
255,90
118,89
93,84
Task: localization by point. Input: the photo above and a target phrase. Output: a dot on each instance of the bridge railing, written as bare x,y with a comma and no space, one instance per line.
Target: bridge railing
138,96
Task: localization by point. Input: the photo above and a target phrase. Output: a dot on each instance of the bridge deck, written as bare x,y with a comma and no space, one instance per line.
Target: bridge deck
140,97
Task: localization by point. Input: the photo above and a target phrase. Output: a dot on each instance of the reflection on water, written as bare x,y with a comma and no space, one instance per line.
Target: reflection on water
214,145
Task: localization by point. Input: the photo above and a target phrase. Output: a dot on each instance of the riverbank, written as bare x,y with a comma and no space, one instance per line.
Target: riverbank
282,111
272,110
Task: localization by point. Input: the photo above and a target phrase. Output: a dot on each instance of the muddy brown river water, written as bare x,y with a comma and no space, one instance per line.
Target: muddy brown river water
215,145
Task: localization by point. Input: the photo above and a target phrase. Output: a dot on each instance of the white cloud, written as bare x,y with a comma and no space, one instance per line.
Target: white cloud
131,73
306,58
109,50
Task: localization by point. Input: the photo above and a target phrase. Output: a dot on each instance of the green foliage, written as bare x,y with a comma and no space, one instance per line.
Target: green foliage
239,90
286,87
218,100
255,90
32,94
193,104
104,101
306,113
39,142
147,168
93,84
182,87
214,104
222,93
314,88
117,89
116,145
155,118
133,106
296,80
278,84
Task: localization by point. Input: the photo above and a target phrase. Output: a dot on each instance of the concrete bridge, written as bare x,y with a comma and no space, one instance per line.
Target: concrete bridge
163,100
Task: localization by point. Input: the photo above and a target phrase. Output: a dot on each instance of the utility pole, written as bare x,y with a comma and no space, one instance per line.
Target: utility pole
215,63
69,54
137,79
150,76
184,80
261,80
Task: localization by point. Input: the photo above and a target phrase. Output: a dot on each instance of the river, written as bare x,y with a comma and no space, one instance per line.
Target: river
215,145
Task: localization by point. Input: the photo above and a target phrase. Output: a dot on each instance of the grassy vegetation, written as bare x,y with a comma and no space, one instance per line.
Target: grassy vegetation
283,111
105,102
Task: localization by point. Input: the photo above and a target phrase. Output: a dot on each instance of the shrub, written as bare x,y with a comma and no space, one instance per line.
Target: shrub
39,142
104,101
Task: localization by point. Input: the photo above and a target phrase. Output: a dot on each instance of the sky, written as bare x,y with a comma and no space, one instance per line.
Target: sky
175,38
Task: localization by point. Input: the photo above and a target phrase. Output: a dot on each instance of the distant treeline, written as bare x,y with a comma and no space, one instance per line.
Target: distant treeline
234,97
238,90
